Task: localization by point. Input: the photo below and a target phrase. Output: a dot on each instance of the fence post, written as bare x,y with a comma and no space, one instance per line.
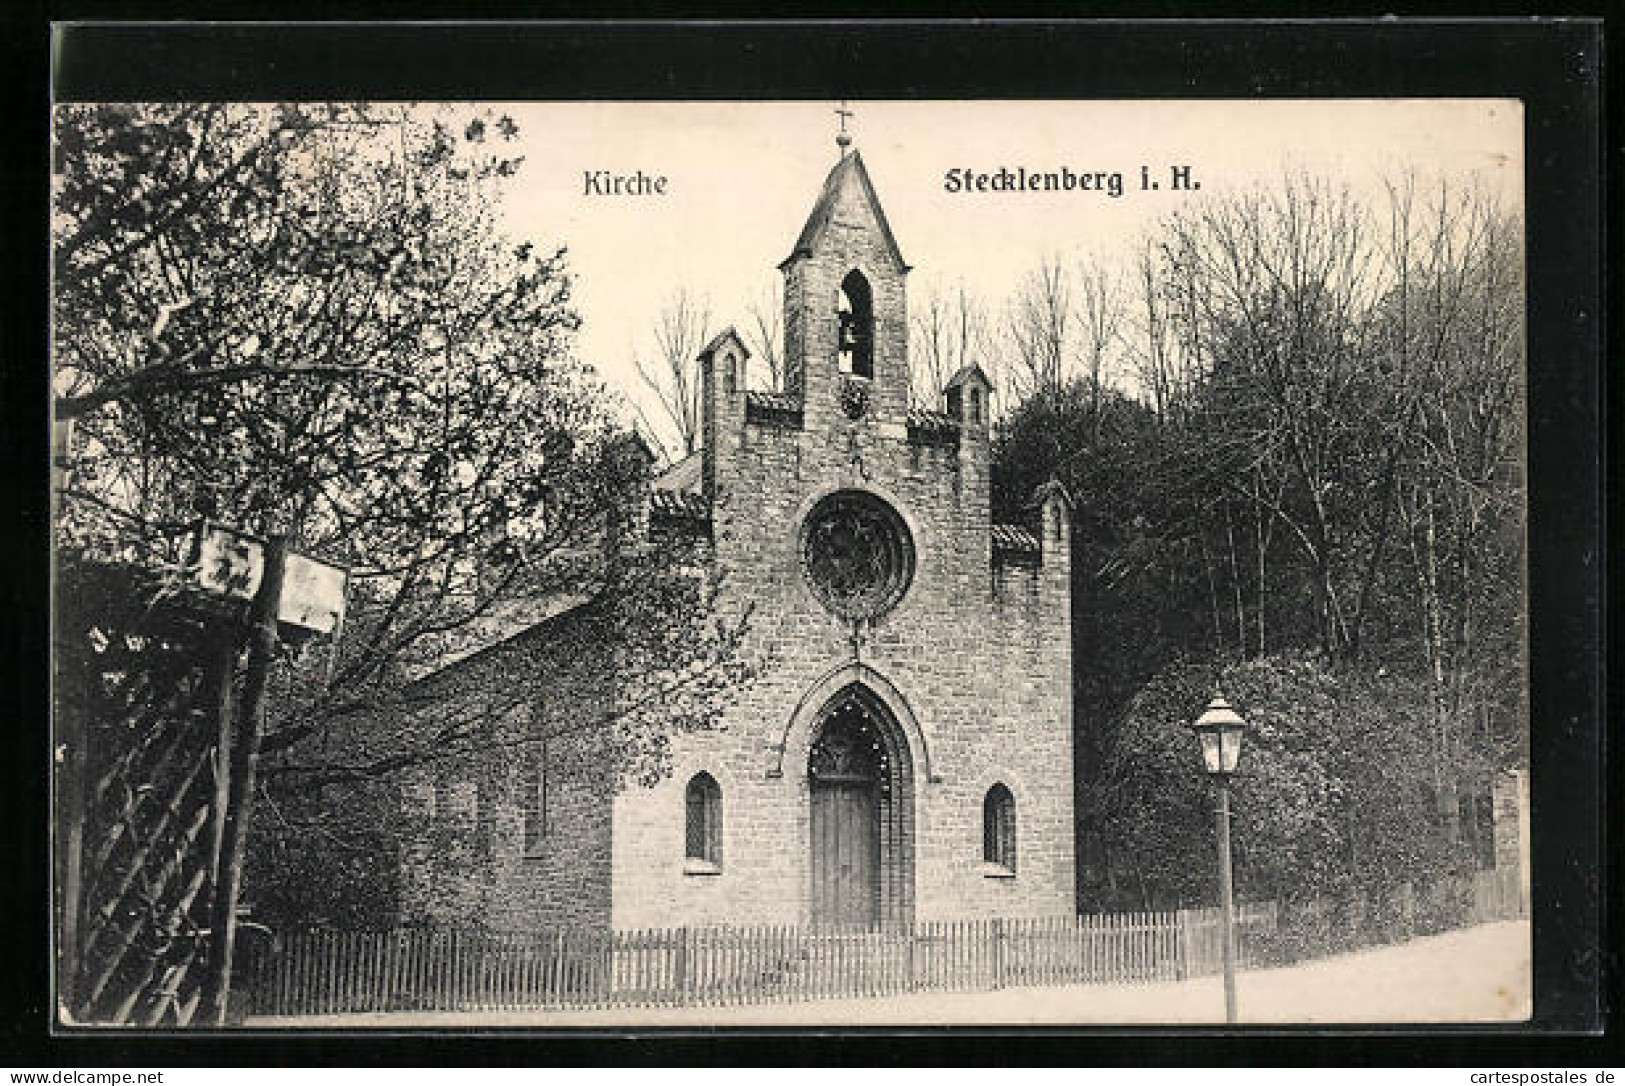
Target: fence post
1182,945
680,965
998,952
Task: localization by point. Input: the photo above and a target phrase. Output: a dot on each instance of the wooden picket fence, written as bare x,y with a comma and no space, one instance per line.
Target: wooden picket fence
342,972
423,969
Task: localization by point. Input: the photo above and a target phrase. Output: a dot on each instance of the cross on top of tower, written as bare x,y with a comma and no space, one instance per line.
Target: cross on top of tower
842,140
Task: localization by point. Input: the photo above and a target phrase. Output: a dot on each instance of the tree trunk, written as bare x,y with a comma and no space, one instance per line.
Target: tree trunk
1212,596
1235,583
245,766
1263,548
1444,749
70,815
218,684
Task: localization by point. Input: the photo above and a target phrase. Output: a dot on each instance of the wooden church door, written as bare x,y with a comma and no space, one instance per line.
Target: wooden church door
845,847
844,791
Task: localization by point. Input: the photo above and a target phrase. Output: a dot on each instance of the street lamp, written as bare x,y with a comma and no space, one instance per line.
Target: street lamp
1219,729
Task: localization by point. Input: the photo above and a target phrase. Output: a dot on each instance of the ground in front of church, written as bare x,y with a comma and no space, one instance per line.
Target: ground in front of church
1481,974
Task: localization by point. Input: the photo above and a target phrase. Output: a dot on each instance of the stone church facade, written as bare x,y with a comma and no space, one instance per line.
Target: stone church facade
906,753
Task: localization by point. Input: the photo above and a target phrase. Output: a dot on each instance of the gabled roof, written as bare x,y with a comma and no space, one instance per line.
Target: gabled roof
719,339
682,504
676,492
510,620
783,402
965,373
849,169
683,475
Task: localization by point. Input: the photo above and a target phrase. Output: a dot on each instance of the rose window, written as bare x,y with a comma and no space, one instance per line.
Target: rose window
858,555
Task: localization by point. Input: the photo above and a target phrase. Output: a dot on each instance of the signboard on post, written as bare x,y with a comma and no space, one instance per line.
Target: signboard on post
312,594
231,563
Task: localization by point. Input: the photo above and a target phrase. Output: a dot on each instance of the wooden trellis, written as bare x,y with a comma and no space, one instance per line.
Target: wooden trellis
135,798
151,820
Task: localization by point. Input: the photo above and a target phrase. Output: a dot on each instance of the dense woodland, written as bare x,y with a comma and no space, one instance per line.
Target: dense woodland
1293,431
1291,423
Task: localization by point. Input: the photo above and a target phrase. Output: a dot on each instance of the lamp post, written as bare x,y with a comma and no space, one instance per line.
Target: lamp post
1219,729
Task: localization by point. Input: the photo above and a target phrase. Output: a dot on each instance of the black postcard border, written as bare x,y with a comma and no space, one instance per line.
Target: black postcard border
1552,65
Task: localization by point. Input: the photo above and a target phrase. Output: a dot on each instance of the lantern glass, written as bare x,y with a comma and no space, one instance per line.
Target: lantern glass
1212,749
1219,728
1229,747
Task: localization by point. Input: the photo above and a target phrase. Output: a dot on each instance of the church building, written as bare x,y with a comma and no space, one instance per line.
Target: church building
906,753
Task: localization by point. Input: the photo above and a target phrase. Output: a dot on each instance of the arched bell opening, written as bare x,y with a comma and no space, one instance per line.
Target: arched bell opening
860,792
855,311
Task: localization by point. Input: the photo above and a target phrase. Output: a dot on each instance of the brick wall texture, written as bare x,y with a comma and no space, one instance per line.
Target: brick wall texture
466,861
972,665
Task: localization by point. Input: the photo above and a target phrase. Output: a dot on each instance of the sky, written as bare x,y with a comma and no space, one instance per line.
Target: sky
742,176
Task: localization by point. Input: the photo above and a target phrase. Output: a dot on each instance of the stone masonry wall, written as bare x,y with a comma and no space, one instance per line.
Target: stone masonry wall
465,863
975,661
977,650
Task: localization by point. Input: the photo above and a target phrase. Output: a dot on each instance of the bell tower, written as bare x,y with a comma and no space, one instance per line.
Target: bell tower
845,305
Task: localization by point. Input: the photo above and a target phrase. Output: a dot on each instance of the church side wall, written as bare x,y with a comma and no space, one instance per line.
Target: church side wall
465,863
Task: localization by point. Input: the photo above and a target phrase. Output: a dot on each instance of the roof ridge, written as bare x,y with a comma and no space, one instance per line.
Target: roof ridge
824,207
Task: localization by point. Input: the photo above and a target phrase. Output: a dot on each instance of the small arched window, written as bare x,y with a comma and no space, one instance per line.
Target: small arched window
855,336
999,828
533,799
976,406
704,820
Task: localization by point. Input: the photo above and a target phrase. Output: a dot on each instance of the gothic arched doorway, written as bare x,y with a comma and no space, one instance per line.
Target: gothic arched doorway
860,788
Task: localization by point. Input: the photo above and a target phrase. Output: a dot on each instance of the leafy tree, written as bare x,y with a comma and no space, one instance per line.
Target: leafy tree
299,319
1331,795
302,320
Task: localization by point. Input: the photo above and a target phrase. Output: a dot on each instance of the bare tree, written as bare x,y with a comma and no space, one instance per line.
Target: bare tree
1454,351
1150,342
1280,287
671,371
949,331
1100,325
1332,458
764,335
1038,328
